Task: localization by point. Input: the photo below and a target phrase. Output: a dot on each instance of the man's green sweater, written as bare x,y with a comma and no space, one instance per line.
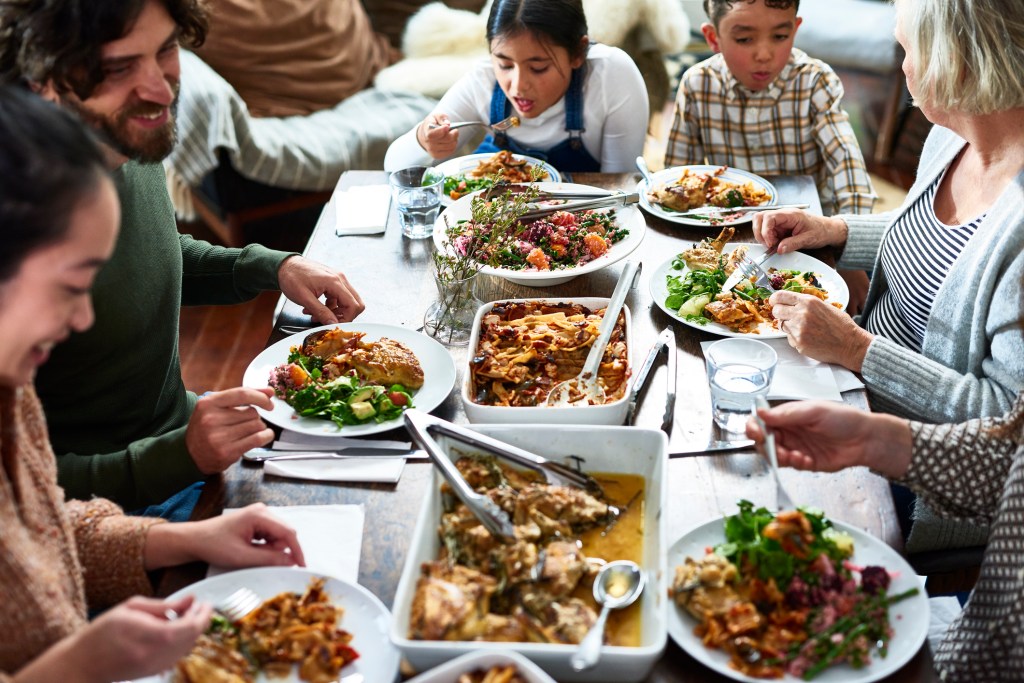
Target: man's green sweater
115,402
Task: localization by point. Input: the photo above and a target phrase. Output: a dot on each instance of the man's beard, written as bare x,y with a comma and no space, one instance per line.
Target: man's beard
146,147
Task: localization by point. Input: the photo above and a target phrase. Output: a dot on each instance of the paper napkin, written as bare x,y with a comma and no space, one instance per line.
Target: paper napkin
362,210
331,537
374,469
297,441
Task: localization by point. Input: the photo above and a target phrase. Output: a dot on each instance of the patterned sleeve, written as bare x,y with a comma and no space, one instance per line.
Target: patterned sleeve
110,547
960,470
684,140
838,146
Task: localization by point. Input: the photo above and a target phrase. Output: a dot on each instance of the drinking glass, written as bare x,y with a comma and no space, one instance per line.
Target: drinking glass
417,192
739,370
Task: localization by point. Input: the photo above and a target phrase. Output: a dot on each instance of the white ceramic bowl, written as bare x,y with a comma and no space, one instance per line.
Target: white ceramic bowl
450,672
623,450
613,413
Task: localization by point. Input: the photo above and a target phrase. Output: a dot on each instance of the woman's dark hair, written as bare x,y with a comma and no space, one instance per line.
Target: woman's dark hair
562,22
49,161
59,41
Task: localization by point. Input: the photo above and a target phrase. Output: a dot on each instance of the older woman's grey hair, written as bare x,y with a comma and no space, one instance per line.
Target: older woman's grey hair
968,55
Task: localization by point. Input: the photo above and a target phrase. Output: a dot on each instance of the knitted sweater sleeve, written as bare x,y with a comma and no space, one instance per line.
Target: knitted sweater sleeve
221,275
110,547
960,470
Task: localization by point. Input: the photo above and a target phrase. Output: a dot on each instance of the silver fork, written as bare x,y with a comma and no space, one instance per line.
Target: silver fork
747,268
782,498
504,124
238,604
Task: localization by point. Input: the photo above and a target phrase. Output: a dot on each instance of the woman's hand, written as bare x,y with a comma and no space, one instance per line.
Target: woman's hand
789,230
250,537
820,330
828,437
440,142
131,640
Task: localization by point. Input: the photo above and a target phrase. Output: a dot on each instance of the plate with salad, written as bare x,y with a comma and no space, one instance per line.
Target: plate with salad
351,379
794,596
687,290
467,174
684,189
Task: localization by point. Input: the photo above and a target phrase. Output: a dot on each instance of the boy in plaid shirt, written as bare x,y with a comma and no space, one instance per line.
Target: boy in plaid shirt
763,106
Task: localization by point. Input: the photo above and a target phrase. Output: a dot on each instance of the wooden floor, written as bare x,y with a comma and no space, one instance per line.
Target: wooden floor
217,342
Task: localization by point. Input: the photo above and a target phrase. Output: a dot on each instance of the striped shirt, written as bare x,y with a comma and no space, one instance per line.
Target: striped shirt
794,126
915,257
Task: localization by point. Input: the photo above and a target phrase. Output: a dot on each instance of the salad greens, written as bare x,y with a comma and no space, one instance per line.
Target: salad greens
690,294
344,400
745,546
458,185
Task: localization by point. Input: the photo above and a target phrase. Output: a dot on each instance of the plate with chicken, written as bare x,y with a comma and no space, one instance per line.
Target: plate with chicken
688,286
681,190
351,379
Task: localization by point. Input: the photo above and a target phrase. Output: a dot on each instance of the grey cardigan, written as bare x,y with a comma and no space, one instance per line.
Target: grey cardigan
972,360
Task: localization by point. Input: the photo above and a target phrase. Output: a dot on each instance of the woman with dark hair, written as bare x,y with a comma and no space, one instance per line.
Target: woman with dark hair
58,223
581,107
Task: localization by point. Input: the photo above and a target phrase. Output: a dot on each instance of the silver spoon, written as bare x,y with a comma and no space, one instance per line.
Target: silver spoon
617,585
584,388
641,164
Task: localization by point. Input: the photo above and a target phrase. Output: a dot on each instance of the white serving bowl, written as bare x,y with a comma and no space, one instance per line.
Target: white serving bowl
450,672
613,413
618,450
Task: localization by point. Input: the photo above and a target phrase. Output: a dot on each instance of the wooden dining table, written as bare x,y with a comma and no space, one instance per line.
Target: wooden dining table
394,276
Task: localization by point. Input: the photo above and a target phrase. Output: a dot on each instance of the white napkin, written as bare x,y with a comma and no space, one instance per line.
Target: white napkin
331,537
297,441
942,611
362,210
798,377
377,469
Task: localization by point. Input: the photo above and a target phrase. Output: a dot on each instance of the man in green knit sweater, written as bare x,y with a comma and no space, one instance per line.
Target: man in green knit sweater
121,421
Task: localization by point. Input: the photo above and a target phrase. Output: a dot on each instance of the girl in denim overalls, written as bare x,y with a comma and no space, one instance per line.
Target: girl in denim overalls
581,107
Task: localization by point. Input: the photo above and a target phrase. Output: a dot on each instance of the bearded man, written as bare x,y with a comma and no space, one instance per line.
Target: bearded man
121,421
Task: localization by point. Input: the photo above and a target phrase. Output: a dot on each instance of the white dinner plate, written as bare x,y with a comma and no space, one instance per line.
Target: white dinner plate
365,617
630,217
464,164
907,618
838,292
670,175
438,378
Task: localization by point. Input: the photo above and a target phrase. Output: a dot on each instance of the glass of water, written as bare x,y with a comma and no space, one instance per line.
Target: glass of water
417,192
739,370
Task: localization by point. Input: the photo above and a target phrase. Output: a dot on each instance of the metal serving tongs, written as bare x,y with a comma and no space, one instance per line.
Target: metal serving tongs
500,189
423,427
620,199
666,343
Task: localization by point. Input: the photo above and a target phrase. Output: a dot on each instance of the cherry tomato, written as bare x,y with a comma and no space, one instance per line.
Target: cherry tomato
398,398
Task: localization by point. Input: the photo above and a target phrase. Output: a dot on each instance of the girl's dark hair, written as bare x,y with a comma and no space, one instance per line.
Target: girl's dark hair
716,9
49,161
562,22
59,41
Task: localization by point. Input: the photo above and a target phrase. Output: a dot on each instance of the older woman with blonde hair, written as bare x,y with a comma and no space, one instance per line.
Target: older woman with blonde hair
939,338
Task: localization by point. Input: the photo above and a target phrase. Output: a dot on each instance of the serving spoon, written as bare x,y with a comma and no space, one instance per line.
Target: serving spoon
617,585
585,384
641,165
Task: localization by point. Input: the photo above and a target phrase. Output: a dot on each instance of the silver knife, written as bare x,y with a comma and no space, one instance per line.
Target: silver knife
716,447
354,452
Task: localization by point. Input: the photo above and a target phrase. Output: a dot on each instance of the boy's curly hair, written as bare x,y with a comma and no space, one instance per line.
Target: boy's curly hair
716,9
59,41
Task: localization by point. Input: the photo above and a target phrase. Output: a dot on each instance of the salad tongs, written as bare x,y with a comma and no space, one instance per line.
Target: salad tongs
620,199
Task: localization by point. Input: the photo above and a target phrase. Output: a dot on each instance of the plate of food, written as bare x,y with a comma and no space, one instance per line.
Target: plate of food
682,189
794,596
351,379
340,618
486,667
467,174
688,287
549,251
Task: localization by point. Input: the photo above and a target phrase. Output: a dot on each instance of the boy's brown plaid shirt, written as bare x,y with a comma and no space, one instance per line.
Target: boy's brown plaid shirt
795,126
